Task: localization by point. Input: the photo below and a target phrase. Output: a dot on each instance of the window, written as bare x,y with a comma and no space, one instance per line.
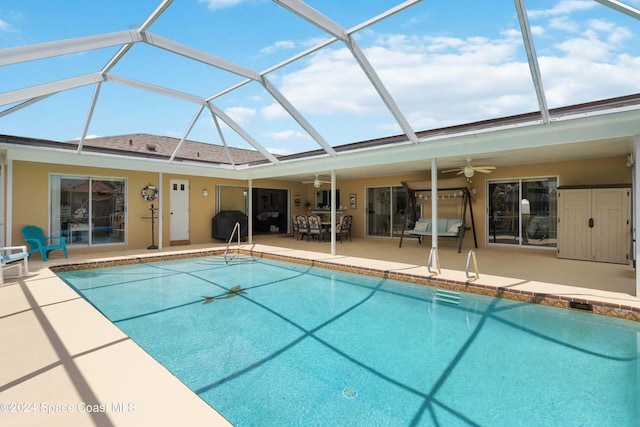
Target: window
523,212
87,210
323,199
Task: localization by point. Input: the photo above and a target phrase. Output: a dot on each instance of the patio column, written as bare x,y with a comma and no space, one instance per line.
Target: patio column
333,211
160,204
434,203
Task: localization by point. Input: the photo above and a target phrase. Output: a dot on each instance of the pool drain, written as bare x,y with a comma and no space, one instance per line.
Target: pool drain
350,392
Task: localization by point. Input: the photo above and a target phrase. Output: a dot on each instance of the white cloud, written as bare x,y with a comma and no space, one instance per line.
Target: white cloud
273,111
4,26
241,115
221,4
279,45
564,7
287,135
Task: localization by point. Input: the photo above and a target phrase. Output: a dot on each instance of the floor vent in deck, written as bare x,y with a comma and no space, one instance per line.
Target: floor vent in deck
581,306
450,297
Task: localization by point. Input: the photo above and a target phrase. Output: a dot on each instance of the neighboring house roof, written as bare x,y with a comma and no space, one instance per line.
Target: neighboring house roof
149,146
165,146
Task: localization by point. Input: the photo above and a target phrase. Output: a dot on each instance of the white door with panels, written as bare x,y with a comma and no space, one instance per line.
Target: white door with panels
594,224
179,208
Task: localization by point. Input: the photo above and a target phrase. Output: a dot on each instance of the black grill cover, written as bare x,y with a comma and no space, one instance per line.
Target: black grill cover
222,225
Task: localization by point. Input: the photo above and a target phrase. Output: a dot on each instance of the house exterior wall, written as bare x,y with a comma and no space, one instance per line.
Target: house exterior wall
30,204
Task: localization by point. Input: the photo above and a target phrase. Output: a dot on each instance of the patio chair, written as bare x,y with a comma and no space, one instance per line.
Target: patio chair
315,228
37,241
303,226
13,257
344,228
294,228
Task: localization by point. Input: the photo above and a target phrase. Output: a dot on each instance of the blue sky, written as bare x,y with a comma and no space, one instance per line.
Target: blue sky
444,62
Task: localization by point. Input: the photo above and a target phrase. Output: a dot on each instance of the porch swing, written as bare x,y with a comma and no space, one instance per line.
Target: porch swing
446,227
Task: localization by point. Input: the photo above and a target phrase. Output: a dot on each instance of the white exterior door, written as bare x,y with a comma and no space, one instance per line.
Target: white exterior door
179,208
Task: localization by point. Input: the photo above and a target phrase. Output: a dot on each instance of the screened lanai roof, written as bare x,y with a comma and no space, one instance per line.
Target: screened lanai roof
292,80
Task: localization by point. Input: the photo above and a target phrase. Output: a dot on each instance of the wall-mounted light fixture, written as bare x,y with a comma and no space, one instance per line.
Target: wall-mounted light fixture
244,192
205,192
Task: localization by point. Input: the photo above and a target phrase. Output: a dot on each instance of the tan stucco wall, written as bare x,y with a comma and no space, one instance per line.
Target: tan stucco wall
31,186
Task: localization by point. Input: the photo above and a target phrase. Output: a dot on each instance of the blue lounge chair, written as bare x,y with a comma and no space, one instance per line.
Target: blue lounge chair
37,241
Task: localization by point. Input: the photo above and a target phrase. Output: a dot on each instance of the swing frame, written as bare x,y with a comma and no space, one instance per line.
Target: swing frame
466,202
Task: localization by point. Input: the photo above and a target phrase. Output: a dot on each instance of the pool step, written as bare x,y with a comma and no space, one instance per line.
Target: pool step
450,297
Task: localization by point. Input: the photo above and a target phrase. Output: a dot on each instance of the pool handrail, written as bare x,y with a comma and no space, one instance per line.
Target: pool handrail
433,261
472,256
237,226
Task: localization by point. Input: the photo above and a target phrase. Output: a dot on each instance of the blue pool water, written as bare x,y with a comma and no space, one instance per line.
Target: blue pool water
307,346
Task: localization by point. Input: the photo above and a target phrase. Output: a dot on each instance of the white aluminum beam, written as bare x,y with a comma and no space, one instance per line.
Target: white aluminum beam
87,122
222,139
144,27
155,89
382,91
155,15
316,18
532,58
240,131
308,13
49,88
621,7
14,55
187,132
197,55
298,117
23,105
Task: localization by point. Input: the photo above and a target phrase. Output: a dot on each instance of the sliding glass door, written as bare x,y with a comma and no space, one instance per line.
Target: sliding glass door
88,210
386,211
523,212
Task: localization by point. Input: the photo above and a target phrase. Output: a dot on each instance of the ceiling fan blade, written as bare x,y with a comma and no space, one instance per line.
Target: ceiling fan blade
484,169
452,170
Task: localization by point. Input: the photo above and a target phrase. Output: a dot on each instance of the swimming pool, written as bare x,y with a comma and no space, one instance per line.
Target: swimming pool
309,346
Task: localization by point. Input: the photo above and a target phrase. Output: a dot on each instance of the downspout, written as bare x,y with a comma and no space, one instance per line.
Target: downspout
636,208
249,202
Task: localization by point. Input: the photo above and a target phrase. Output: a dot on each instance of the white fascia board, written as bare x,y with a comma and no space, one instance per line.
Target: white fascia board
14,55
497,140
197,55
49,88
155,89
114,161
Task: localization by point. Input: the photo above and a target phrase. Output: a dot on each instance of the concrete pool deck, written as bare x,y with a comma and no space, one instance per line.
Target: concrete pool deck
64,364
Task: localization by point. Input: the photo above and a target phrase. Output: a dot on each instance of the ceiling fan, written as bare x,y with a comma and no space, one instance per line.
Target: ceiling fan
317,183
469,170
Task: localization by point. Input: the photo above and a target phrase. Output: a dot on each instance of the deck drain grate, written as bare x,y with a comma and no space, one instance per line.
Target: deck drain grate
350,392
